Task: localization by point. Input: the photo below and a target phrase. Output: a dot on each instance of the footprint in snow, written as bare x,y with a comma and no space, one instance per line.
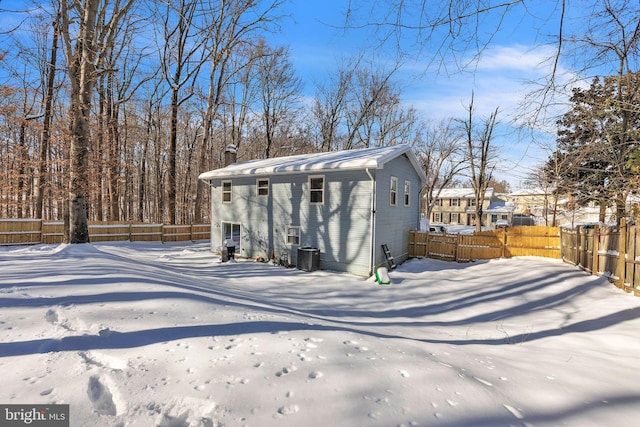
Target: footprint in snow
100,396
286,370
46,392
288,409
51,316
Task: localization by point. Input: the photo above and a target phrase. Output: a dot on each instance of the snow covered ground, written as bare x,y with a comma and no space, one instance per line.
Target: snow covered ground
166,335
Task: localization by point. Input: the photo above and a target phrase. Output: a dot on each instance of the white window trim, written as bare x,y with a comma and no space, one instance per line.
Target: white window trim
406,199
293,227
311,190
258,188
393,201
224,192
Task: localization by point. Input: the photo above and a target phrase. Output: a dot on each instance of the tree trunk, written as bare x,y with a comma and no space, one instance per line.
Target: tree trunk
78,186
46,124
171,169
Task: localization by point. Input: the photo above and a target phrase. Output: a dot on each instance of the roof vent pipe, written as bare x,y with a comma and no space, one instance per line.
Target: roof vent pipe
230,154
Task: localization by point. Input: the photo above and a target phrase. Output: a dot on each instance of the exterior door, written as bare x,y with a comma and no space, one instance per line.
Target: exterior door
231,230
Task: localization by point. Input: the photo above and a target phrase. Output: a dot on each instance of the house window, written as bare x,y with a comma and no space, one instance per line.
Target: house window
472,202
226,191
437,217
262,187
393,191
454,218
293,235
407,193
454,202
494,218
316,189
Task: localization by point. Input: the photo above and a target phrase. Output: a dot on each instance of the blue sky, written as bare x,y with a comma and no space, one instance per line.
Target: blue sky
313,31
517,56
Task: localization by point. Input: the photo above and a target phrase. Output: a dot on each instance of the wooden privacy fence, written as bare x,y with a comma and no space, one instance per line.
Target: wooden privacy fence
612,252
501,243
34,231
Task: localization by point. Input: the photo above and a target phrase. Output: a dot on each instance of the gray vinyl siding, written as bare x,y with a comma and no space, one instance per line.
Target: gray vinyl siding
339,227
392,223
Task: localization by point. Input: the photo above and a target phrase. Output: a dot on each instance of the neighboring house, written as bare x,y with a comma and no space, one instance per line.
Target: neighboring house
533,201
456,206
346,204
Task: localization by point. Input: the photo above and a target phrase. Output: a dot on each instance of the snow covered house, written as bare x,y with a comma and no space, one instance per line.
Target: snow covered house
345,204
457,206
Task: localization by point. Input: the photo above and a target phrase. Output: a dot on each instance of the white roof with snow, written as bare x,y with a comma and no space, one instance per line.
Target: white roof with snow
537,191
365,158
463,193
500,207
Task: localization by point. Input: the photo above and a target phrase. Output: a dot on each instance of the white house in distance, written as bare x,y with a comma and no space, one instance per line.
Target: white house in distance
346,204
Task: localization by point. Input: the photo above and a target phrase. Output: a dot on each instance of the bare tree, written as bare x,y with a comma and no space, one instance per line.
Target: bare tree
280,92
86,29
183,54
360,107
455,30
330,103
230,30
241,94
443,157
371,90
547,181
46,121
480,155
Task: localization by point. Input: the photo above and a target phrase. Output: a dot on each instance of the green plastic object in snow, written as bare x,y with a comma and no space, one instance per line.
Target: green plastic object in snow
382,276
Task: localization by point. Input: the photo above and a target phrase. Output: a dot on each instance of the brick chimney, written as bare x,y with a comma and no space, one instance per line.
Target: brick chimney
230,155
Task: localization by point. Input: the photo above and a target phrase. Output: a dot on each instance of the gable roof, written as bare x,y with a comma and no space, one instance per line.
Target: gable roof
537,191
365,158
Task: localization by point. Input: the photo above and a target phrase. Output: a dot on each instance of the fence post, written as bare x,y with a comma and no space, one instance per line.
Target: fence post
595,247
622,253
504,243
457,246
426,246
630,271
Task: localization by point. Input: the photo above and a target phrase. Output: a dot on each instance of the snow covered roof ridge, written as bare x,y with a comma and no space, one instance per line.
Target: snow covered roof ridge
463,193
364,158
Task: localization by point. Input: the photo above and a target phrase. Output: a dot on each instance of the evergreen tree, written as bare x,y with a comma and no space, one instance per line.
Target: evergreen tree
597,142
